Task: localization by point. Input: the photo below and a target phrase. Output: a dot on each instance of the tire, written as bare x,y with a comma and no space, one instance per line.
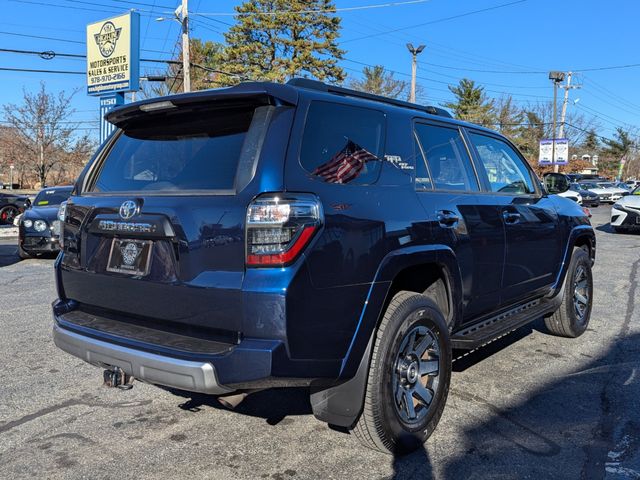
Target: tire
7,214
412,324
23,254
572,318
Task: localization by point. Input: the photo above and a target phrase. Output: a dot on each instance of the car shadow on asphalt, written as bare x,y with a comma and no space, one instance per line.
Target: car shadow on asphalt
580,424
8,254
274,405
557,428
607,228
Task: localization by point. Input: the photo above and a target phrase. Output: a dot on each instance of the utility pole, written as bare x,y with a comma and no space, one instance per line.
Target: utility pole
556,77
186,63
414,69
563,115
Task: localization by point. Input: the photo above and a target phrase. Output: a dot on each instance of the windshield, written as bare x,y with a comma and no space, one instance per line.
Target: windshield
588,186
605,185
190,151
51,197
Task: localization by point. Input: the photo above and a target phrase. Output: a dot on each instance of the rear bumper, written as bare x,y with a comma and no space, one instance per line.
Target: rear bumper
188,363
193,376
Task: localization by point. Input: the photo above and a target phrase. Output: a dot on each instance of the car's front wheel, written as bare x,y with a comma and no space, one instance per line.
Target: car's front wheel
23,254
572,318
408,378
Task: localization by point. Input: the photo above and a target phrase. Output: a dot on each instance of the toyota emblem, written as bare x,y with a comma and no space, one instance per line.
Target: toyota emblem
128,209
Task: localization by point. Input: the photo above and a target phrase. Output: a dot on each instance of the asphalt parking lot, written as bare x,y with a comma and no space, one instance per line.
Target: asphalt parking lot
527,406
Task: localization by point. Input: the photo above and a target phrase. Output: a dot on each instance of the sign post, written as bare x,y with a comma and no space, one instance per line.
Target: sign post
113,62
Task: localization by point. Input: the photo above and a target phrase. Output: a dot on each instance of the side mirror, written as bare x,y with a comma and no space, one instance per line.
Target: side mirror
556,183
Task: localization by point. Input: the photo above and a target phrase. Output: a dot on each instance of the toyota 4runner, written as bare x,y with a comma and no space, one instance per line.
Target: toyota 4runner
272,235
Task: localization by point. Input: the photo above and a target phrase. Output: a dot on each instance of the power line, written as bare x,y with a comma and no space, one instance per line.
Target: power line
327,10
33,70
445,19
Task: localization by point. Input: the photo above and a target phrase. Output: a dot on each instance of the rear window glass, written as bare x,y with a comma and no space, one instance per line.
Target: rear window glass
183,151
446,156
343,144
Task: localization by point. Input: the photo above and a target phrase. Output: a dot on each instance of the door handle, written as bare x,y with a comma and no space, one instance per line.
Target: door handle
447,219
510,217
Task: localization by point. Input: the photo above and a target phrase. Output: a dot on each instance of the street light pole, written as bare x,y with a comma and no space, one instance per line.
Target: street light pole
414,69
556,78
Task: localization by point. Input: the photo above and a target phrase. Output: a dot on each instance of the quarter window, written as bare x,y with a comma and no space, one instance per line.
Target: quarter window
343,144
505,169
446,156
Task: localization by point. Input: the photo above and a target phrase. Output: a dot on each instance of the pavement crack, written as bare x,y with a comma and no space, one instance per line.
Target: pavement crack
66,404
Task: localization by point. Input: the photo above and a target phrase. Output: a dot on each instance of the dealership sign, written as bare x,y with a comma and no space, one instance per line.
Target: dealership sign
547,152
113,55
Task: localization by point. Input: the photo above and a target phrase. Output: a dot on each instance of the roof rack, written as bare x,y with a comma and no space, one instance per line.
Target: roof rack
347,92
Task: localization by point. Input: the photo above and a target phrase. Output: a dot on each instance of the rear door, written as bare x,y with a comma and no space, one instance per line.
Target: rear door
462,219
533,245
158,230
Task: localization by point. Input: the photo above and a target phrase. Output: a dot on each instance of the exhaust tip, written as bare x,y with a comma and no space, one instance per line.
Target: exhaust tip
233,400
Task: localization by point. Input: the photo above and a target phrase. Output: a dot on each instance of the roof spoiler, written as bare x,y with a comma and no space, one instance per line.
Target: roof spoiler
269,93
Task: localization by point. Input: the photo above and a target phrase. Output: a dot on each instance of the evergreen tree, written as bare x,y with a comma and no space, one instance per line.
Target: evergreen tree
471,103
591,143
618,147
375,80
508,117
276,40
204,57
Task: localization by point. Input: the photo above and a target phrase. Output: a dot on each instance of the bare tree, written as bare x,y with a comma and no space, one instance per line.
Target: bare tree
42,130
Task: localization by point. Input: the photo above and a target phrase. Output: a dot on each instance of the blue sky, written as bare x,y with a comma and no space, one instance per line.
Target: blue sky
499,48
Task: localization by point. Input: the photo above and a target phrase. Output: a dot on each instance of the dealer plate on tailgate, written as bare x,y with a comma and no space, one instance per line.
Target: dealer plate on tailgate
130,256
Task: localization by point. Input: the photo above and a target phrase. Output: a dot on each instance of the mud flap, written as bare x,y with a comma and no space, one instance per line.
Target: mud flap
341,405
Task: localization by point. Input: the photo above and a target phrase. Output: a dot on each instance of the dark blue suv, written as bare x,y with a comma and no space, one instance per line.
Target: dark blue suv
271,235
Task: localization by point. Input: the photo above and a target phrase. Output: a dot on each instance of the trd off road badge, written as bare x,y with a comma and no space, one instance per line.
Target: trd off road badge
107,38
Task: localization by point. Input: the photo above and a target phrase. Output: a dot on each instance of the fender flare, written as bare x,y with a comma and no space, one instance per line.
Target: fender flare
578,232
341,404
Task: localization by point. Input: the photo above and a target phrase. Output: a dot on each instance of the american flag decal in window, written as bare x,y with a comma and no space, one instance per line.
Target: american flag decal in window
345,165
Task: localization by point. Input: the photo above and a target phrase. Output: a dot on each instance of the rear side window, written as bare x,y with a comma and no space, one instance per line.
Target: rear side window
343,144
505,169
446,158
184,151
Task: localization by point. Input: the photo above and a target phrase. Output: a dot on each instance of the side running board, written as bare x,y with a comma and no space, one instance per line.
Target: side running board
485,331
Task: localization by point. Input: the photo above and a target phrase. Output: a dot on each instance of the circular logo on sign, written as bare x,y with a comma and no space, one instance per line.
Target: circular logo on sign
107,38
129,253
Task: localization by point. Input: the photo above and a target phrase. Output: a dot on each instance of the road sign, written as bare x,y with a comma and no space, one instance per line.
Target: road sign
107,102
547,149
113,55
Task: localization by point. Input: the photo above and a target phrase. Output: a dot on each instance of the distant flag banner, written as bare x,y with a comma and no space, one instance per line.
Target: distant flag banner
346,165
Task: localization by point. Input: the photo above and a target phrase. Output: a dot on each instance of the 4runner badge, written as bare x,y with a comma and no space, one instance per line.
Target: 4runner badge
107,38
128,209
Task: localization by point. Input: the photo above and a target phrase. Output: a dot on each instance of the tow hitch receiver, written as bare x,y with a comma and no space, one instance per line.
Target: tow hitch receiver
116,377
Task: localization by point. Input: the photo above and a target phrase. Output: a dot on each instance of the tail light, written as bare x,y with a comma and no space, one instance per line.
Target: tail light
279,227
62,214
